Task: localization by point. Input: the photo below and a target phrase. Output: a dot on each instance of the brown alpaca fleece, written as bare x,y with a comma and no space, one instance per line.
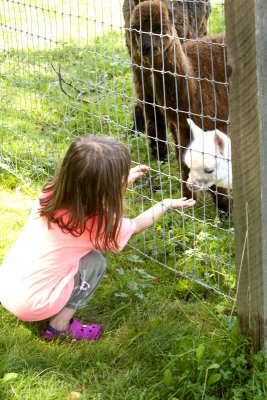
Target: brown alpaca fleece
190,19
189,79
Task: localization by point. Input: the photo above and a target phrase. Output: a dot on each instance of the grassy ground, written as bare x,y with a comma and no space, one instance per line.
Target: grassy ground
164,337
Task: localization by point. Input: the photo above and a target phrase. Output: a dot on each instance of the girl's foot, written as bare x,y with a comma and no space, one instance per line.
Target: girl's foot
76,329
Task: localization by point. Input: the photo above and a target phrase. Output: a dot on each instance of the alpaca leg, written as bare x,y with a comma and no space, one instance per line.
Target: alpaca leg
138,112
156,130
220,197
148,117
138,117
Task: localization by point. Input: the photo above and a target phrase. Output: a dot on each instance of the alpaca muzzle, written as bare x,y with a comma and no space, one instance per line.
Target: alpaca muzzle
193,186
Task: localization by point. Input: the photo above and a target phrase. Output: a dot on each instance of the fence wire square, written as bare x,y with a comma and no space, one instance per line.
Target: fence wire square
136,71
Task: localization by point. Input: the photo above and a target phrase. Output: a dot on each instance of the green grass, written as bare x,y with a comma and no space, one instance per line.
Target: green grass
216,21
165,337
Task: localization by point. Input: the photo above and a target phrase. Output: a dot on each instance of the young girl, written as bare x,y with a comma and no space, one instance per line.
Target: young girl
56,264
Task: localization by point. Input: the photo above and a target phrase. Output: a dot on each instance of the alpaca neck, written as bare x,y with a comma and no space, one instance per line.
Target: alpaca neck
173,59
170,79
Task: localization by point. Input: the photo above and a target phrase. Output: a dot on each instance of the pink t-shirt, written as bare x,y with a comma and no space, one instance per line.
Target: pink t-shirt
37,276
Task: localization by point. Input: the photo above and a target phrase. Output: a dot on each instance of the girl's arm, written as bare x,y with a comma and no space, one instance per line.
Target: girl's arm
148,217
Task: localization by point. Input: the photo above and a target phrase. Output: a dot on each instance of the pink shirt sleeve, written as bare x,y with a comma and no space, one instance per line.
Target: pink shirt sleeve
127,229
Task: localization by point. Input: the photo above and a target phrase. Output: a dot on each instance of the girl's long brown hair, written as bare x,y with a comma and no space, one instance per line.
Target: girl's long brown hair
89,184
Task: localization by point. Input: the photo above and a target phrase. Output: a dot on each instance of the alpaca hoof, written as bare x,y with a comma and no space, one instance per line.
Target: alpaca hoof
160,153
224,206
159,150
139,122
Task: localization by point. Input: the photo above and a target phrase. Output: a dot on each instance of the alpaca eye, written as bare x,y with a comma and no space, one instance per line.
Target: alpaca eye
208,171
164,29
157,30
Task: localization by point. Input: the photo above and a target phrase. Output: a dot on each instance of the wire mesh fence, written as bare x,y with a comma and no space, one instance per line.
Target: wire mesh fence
67,69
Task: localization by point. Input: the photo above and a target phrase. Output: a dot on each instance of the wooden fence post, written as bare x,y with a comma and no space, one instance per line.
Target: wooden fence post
246,37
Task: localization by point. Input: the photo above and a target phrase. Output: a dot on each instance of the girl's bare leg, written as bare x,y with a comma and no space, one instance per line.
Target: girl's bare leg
61,321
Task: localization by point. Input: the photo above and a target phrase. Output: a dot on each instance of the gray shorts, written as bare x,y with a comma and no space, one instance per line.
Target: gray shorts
90,273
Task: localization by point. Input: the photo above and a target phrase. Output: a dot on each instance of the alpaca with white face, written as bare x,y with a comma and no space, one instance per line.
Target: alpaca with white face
188,77
209,159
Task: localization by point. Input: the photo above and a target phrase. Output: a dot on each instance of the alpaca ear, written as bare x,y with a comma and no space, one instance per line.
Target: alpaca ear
197,132
219,140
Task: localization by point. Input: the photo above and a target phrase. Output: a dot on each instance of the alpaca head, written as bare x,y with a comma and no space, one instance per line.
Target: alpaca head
209,159
152,30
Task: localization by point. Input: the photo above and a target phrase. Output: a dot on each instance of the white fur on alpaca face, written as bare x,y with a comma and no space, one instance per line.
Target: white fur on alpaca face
209,159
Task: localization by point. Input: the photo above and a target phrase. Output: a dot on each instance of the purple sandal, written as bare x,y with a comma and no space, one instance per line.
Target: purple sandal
76,330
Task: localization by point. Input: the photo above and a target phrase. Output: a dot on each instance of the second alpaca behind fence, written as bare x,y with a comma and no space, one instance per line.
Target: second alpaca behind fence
209,159
189,80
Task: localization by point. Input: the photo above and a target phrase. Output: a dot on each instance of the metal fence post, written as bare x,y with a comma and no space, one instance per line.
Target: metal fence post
246,36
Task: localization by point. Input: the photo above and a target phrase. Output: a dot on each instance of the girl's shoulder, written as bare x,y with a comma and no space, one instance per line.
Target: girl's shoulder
127,229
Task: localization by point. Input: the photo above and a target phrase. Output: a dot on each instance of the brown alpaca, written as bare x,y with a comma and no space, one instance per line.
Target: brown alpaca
190,19
194,82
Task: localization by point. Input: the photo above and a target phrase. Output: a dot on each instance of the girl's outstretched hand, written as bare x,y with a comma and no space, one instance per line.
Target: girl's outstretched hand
184,202
150,216
136,172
